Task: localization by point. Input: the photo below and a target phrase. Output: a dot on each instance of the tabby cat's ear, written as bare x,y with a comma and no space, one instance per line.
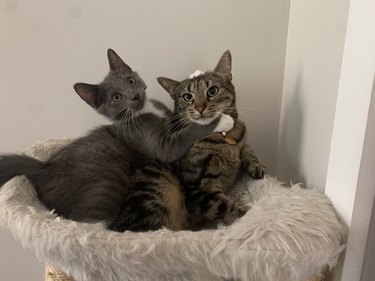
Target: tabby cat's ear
169,85
224,66
88,92
116,63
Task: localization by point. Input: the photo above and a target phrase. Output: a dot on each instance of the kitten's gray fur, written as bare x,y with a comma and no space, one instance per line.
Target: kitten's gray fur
89,179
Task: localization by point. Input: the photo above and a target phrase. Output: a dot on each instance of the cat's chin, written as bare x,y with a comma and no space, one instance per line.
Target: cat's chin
204,120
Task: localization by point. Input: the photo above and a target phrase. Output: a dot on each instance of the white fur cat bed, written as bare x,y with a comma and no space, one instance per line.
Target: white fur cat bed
288,234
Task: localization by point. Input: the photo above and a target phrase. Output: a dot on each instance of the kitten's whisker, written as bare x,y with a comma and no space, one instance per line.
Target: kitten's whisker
114,115
138,122
121,125
122,119
132,123
126,125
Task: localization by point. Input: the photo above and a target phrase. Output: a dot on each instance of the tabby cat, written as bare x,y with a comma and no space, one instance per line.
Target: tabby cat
205,173
88,180
212,165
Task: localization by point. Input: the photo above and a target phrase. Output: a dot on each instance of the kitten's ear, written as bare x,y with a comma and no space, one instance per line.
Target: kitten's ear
224,66
169,85
88,92
116,63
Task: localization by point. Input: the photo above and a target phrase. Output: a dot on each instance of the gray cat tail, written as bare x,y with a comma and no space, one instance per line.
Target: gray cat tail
13,165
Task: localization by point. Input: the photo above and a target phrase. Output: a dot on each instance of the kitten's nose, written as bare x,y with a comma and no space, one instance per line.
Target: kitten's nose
136,97
200,108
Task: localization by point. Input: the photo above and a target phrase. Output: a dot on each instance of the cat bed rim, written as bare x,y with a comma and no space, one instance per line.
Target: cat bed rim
90,252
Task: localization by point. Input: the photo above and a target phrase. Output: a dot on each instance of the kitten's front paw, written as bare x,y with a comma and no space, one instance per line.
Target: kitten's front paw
225,124
256,170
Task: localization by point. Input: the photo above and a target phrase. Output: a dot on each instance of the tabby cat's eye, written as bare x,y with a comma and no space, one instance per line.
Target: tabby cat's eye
131,81
187,97
116,97
212,91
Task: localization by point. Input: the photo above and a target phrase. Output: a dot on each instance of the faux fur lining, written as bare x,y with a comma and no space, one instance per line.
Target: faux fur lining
288,234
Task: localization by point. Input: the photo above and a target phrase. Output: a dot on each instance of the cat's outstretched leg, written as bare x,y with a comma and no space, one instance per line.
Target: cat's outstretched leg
161,141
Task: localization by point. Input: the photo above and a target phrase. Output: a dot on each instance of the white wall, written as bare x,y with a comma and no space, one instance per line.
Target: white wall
353,191
354,94
315,45
350,178
329,74
47,46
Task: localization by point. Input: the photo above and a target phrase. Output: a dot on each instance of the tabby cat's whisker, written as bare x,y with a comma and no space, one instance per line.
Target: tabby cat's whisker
169,119
182,124
177,126
172,124
172,128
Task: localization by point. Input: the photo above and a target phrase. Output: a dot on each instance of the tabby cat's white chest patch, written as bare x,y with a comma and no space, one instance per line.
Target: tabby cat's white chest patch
149,107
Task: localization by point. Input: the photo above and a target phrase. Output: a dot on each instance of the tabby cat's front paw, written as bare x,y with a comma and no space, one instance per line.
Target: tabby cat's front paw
236,212
256,170
225,124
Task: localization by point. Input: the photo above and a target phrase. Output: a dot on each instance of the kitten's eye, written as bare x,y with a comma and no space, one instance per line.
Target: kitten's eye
212,91
132,82
187,97
116,97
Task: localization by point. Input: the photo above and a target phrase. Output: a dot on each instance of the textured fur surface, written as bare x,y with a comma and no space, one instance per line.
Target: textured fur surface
288,234
211,166
89,179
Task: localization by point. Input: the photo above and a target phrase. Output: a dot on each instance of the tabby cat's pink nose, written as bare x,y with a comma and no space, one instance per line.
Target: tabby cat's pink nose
200,109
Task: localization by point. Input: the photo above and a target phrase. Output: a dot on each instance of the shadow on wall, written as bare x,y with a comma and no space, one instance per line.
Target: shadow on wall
289,166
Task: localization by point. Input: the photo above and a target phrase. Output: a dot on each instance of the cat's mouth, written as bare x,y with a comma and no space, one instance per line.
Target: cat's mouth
204,119
138,101
138,105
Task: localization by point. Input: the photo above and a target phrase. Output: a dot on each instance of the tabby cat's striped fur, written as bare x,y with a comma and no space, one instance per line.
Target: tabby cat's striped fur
192,190
212,165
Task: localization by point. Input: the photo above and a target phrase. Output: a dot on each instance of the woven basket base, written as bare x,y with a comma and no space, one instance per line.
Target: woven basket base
53,274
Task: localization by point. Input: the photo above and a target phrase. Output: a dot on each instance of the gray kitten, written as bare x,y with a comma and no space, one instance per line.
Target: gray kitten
88,180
